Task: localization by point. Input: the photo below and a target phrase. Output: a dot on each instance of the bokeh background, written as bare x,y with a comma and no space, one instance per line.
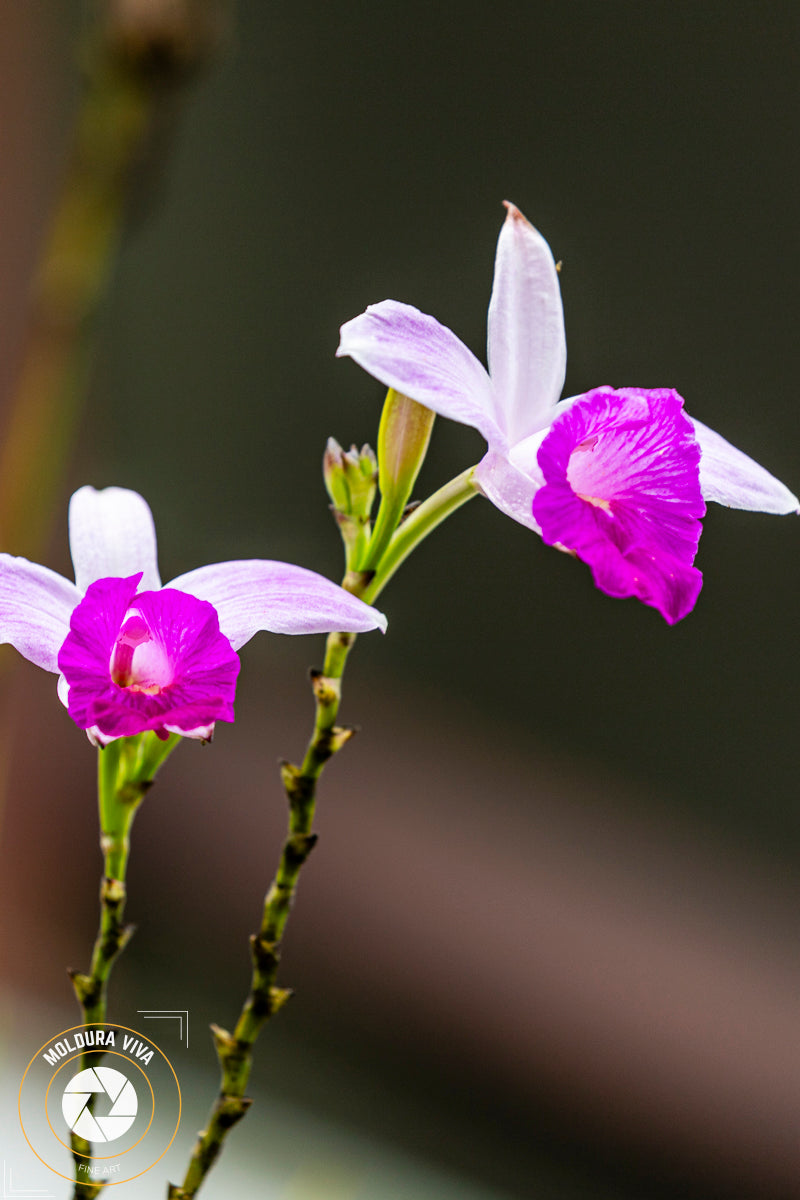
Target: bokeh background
547,946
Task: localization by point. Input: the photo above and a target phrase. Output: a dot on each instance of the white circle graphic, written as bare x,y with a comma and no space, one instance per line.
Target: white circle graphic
106,1082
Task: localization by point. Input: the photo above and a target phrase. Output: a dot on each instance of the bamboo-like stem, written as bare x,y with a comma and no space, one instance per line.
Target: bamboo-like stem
125,772
235,1050
112,935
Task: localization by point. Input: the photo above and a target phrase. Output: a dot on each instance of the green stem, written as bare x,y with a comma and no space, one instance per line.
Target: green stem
235,1050
125,772
417,526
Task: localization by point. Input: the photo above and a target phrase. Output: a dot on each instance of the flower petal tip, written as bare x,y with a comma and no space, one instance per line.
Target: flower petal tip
98,739
733,479
200,733
514,214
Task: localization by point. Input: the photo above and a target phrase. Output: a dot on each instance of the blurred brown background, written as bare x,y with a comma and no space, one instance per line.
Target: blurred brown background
548,940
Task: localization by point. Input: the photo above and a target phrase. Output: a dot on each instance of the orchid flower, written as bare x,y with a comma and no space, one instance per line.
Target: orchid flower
134,656
618,478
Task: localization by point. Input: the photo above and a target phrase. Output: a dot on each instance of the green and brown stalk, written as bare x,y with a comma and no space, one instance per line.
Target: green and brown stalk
235,1049
126,769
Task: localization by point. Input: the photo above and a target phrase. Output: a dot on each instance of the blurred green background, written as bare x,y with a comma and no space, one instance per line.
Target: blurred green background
548,942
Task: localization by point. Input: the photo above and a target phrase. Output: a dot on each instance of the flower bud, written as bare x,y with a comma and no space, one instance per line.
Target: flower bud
350,478
403,438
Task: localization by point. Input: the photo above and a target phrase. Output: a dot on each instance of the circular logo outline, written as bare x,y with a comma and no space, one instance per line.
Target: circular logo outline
72,1029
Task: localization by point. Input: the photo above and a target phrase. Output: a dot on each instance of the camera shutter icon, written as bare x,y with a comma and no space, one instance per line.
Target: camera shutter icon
96,1081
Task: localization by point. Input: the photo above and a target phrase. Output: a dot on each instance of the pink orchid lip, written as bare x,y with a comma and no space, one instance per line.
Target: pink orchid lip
575,475
622,491
139,662
147,661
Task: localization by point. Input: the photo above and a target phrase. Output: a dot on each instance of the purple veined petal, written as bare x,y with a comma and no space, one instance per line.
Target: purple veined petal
85,655
411,352
255,594
508,487
111,534
527,346
109,719
730,477
623,493
35,609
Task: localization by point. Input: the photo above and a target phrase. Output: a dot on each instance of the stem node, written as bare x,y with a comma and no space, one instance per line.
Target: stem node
224,1042
278,997
231,1109
327,691
357,581
264,954
340,735
290,776
298,847
112,891
82,984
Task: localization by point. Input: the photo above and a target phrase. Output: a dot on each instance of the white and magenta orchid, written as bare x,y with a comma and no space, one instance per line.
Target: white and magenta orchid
617,477
132,655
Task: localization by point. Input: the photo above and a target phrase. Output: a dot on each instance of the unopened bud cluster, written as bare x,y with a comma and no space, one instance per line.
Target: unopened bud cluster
351,480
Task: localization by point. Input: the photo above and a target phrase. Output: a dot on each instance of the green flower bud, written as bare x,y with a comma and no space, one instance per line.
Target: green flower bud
403,438
351,479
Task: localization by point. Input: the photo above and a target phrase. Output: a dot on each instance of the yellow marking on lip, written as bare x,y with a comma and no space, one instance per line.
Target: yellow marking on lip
597,502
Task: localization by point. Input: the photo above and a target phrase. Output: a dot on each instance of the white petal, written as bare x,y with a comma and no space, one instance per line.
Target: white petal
111,533
35,607
257,594
411,352
732,478
201,733
527,343
508,487
99,740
